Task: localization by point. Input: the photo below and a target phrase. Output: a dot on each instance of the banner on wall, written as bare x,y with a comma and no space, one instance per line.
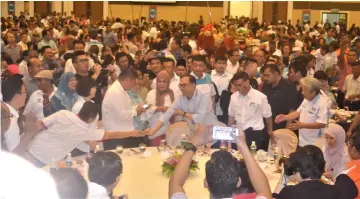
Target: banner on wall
152,13
306,15
11,7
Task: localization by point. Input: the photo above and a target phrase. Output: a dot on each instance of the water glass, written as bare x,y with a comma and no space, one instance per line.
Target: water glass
142,148
119,149
162,146
346,108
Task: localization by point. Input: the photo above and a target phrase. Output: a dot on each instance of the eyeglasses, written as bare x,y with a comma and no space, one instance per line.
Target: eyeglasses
182,86
83,60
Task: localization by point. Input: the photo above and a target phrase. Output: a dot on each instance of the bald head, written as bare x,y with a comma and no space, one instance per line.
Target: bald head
35,66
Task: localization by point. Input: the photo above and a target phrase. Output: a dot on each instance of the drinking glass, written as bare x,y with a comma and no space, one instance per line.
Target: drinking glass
119,149
162,145
142,148
346,108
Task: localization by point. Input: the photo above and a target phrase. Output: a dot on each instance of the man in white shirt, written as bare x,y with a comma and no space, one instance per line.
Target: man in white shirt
117,111
117,24
104,173
203,80
221,78
14,96
169,66
40,97
64,130
94,41
194,106
322,58
312,113
248,108
352,87
233,62
78,46
122,62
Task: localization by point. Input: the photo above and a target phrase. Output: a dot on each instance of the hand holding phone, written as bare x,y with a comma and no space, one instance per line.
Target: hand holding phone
224,133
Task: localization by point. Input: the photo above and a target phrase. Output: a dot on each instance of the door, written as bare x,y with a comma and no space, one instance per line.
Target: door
42,7
80,8
274,11
96,10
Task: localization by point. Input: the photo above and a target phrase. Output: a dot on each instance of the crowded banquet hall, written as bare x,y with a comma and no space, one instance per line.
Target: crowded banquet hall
180,99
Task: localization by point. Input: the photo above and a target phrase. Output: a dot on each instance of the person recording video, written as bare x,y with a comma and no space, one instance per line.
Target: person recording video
306,166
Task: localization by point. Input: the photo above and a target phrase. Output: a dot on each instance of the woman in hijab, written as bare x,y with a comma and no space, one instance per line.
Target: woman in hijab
160,98
335,151
65,96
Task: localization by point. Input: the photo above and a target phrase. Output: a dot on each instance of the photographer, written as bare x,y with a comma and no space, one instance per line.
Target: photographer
306,166
222,171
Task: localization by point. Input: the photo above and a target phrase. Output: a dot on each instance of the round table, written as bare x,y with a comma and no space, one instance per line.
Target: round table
142,177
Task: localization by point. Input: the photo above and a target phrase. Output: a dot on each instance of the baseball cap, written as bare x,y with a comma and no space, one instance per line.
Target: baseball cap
46,74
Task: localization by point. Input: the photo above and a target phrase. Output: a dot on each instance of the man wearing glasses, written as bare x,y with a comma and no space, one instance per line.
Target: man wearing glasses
233,62
194,106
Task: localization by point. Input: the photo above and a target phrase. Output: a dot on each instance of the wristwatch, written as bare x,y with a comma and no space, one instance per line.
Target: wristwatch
188,146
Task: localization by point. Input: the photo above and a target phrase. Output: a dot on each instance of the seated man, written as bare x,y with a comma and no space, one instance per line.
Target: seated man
104,173
70,183
64,130
193,105
222,171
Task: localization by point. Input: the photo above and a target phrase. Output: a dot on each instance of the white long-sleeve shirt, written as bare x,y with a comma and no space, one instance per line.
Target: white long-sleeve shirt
117,111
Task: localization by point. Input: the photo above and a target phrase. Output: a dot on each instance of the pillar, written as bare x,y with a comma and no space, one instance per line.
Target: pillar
4,9
290,9
105,9
56,6
257,10
226,8
31,8
19,7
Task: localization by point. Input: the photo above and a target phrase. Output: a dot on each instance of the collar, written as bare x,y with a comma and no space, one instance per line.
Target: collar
194,95
119,86
353,163
12,110
214,73
196,77
229,63
315,98
248,94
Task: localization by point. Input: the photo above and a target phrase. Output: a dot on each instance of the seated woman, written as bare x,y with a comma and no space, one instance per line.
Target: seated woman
65,96
286,141
335,151
139,87
86,89
104,173
161,98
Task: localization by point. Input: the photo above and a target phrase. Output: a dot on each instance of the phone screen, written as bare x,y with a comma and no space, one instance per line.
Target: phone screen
224,133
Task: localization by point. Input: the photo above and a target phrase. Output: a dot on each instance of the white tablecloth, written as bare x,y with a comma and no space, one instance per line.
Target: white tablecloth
142,177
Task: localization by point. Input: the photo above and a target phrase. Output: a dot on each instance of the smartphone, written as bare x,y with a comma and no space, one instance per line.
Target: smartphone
224,133
145,106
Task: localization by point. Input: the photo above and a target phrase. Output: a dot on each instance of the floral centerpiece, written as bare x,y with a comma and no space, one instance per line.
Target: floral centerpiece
170,163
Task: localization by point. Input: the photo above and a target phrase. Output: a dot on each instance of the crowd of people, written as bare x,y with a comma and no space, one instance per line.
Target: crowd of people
69,83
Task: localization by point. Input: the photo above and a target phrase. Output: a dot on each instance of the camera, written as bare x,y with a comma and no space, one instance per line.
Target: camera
288,169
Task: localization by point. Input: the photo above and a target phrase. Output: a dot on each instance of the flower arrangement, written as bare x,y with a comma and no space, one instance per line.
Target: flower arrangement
170,163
